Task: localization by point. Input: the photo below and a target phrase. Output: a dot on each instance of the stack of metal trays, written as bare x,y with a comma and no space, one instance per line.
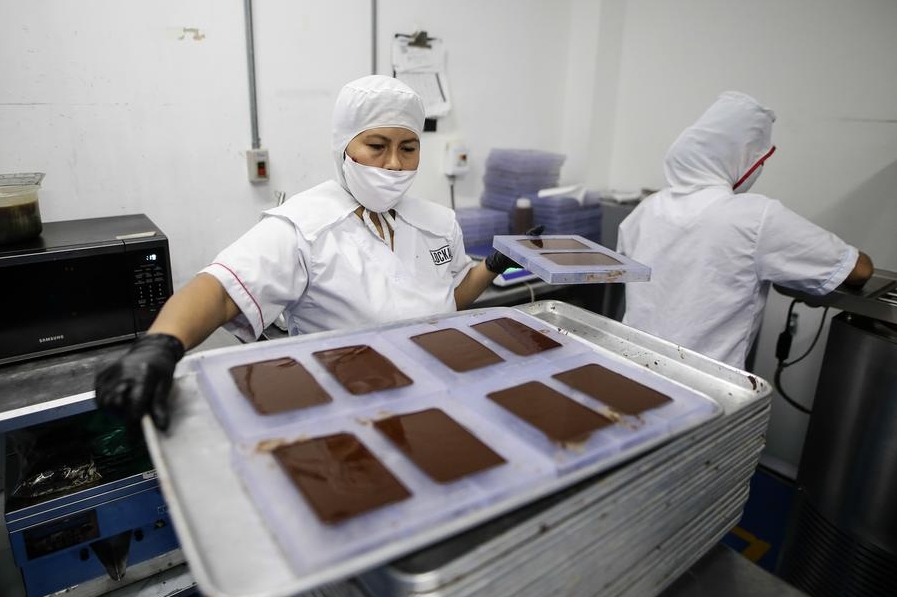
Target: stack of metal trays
631,530
634,530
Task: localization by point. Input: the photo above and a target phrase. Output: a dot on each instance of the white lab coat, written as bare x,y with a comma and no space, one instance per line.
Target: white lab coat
714,253
315,260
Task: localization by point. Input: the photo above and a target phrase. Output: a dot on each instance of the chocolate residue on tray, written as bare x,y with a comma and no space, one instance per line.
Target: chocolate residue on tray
339,477
581,258
438,444
617,391
562,419
515,336
552,244
361,369
278,385
456,349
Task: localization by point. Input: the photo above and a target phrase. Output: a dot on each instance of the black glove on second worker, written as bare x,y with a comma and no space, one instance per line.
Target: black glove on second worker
139,382
497,262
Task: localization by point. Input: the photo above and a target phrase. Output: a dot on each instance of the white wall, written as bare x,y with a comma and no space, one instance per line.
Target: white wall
126,113
827,69
507,64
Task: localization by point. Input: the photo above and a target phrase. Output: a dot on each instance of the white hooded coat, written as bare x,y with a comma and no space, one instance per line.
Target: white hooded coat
314,260
713,253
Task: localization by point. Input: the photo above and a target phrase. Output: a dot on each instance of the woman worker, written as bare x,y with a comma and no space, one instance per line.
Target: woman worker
347,253
714,248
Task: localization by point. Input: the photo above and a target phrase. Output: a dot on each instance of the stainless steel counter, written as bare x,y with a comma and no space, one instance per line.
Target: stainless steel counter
58,386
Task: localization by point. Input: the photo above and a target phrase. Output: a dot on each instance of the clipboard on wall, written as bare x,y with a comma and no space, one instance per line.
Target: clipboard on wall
419,62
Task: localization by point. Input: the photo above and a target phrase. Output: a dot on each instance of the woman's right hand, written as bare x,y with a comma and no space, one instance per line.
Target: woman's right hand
139,382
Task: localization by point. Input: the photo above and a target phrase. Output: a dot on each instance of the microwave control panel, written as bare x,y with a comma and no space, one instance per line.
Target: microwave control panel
151,283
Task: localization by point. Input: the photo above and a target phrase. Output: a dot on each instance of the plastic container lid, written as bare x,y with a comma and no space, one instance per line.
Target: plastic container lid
524,203
21,179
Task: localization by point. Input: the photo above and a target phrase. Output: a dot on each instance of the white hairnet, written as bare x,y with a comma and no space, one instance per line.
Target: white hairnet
724,143
372,102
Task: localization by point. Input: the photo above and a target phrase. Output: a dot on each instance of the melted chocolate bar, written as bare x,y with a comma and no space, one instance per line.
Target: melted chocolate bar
552,244
361,369
278,385
438,445
618,392
562,419
515,336
594,258
456,350
339,476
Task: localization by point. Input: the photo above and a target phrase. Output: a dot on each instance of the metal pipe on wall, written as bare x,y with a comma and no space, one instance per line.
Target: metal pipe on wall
373,37
250,59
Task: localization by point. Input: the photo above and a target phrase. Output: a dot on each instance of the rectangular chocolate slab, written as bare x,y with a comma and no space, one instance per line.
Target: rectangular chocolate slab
618,392
562,419
456,350
515,336
438,444
278,385
552,244
361,369
581,258
338,476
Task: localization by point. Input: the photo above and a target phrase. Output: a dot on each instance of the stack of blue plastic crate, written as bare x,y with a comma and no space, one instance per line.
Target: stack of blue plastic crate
514,173
480,224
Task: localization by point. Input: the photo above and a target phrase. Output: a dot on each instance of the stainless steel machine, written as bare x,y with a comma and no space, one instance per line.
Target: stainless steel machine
843,534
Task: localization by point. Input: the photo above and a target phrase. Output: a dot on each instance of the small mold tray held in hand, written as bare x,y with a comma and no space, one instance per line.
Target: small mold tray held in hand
570,259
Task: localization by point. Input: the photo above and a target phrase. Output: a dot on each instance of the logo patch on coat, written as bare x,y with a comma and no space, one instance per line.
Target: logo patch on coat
441,255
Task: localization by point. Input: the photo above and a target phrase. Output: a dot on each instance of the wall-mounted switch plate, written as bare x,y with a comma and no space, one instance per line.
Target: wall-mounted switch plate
257,162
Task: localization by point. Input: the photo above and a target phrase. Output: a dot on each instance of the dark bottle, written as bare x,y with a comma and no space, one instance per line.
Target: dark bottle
522,218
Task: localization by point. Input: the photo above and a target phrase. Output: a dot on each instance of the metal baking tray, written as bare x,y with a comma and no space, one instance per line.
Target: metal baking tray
241,556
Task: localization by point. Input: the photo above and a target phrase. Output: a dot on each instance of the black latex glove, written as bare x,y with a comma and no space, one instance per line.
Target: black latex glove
497,262
139,382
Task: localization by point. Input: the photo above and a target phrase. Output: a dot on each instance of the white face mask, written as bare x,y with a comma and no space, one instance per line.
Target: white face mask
377,189
748,182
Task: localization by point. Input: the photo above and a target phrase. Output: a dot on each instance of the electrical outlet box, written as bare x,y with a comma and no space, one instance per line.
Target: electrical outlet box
456,159
257,163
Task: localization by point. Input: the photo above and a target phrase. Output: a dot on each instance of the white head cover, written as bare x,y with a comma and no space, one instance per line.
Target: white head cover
726,142
372,102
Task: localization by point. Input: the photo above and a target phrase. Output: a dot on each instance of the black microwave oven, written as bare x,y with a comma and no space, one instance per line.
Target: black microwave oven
81,283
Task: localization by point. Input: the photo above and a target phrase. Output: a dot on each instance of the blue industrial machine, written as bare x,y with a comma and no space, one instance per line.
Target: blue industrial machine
65,541
82,502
